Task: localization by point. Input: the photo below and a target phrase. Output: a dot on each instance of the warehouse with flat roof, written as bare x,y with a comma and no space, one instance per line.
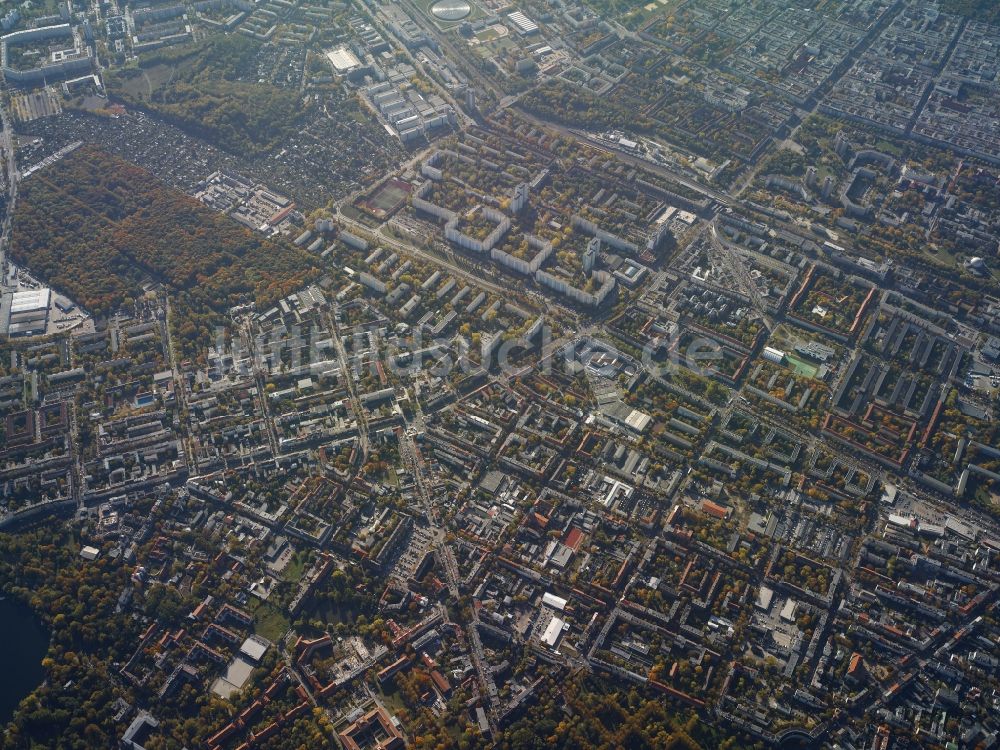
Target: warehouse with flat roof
343,60
28,314
30,301
553,632
522,24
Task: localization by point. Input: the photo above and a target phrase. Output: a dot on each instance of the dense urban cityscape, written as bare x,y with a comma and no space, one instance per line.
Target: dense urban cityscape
500,374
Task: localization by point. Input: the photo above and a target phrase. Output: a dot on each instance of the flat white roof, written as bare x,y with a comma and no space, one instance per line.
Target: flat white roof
254,647
35,299
524,24
889,494
343,59
551,600
898,520
551,635
638,421
237,673
764,597
788,611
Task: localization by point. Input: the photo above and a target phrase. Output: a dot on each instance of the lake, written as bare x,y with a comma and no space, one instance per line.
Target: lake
23,644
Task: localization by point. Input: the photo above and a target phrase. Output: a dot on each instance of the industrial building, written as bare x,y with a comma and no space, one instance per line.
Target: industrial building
29,312
522,24
343,60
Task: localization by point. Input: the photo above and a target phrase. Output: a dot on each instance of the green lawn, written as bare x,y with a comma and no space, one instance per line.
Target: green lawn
392,699
295,568
801,367
270,623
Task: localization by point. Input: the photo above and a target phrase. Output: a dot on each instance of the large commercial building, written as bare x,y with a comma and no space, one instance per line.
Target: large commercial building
343,60
29,312
522,24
